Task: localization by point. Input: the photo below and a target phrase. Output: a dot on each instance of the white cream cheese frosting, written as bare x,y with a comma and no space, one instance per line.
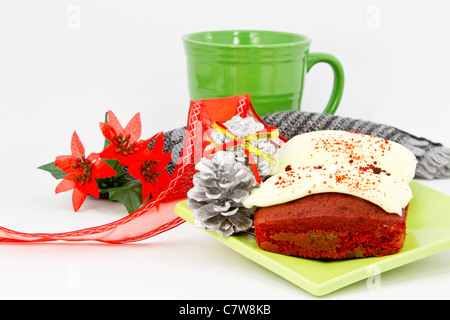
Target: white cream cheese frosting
374,169
333,146
388,191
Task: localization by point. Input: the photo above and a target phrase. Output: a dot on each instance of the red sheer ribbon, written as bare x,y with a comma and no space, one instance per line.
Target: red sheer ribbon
157,216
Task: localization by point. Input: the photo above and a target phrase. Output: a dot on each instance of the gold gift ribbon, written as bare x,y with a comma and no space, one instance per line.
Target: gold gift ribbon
244,143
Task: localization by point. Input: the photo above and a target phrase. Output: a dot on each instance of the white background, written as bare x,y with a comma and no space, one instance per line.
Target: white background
63,64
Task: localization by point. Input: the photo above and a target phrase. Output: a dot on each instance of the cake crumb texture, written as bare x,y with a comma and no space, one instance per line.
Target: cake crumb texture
329,226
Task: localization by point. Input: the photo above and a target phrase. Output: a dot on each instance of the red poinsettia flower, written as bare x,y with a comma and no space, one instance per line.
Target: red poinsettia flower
149,168
125,143
81,173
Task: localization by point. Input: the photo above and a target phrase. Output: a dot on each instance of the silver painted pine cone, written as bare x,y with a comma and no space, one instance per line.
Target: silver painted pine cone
220,185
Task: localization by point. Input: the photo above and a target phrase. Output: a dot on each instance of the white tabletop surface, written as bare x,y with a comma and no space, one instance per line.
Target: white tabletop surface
64,64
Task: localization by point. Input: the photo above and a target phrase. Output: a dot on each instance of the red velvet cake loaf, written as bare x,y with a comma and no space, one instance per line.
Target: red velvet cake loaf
336,195
329,225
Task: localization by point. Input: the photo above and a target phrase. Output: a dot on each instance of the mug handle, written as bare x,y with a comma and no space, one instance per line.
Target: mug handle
338,86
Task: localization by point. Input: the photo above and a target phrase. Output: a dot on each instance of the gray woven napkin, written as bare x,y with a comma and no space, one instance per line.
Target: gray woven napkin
433,158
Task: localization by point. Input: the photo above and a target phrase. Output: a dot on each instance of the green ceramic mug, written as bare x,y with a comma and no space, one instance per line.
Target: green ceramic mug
268,65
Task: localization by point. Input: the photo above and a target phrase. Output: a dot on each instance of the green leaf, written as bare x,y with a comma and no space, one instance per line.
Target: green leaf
107,142
55,171
129,194
115,165
112,182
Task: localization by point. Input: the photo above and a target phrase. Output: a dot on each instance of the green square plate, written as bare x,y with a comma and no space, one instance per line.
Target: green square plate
428,232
